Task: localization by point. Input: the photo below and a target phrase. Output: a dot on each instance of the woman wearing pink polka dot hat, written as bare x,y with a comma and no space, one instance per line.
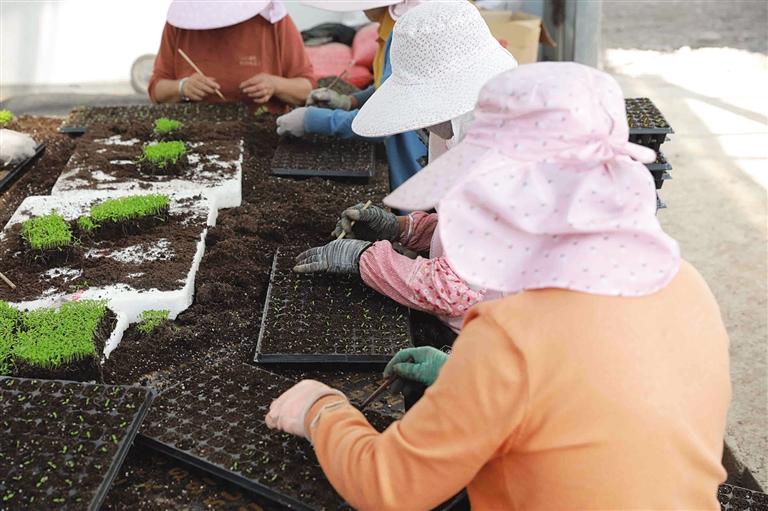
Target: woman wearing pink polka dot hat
600,382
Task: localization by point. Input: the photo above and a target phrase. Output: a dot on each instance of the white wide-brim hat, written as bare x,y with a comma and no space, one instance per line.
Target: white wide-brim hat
202,15
442,54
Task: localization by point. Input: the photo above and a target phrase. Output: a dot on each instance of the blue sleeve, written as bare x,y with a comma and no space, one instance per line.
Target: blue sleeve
326,121
363,95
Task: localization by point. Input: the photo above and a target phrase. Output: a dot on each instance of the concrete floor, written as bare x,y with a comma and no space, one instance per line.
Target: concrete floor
716,99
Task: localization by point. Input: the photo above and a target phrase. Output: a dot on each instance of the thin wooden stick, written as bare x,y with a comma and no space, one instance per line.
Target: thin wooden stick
352,224
7,281
197,69
379,391
339,77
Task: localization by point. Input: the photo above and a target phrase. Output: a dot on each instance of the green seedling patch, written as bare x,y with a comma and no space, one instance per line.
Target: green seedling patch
9,318
161,154
5,117
151,319
164,125
47,232
48,338
128,208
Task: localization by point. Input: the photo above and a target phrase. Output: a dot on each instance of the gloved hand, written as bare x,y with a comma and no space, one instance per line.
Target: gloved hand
327,98
417,364
15,146
292,122
371,224
289,411
339,256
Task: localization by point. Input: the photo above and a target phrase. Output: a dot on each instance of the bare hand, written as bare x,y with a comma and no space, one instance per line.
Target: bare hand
198,86
260,87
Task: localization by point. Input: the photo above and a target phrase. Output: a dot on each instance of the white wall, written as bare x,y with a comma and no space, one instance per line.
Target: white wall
86,41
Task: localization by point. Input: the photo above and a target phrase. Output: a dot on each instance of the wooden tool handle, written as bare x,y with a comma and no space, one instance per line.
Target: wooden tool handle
197,69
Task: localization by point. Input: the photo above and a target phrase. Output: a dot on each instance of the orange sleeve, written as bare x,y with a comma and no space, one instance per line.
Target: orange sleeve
164,68
294,60
463,419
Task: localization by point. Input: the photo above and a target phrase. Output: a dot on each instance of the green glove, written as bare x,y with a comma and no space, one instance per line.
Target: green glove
418,364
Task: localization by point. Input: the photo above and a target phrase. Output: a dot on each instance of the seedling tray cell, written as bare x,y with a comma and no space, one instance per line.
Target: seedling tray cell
647,126
213,420
7,176
734,498
661,163
327,319
62,443
316,155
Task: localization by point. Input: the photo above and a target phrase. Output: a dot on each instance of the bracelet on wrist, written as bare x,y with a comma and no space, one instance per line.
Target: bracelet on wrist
182,97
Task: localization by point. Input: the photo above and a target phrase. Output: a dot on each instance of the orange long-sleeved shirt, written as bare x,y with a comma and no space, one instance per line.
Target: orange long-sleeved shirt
554,399
233,54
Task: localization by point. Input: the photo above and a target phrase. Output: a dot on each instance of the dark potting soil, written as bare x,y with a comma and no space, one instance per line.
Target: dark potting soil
61,443
233,276
37,179
151,481
211,149
84,369
317,155
214,416
85,117
327,316
161,258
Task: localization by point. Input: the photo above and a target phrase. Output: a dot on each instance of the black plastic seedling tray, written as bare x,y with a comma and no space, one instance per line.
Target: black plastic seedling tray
733,498
62,443
321,156
661,163
20,167
327,319
213,419
647,125
660,204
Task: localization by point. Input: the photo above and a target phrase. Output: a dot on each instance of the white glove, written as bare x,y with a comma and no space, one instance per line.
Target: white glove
289,411
292,122
327,98
15,146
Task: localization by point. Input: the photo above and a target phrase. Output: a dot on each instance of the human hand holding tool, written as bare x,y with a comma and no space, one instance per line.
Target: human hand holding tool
338,256
194,86
420,364
372,224
324,97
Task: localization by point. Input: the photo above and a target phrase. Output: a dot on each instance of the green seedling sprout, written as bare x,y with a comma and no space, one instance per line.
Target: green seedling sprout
47,232
151,319
86,223
128,208
165,125
161,154
9,318
5,117
48,338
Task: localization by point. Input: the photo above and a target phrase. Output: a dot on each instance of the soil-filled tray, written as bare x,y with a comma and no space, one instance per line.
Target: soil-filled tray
213,419
7,175
317,155
321,318
138,265
62,443
660,164
111,159
733,498
659,177
647,126
79,119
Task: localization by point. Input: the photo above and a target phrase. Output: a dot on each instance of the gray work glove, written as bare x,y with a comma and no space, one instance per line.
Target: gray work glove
15,146
371,224
292,122
339,256
327,98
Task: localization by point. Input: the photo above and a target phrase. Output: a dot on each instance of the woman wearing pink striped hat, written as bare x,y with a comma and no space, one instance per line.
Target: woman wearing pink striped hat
600,382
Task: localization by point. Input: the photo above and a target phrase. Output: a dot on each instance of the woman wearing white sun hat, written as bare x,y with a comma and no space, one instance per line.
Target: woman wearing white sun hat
250,51
603,377
330,113
442,54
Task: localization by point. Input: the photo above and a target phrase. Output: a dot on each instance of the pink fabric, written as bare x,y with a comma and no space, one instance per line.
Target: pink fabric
365,45
202,15
332,59
544,191
428,285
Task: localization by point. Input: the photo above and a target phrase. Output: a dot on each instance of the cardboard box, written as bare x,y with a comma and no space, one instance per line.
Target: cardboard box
518,32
